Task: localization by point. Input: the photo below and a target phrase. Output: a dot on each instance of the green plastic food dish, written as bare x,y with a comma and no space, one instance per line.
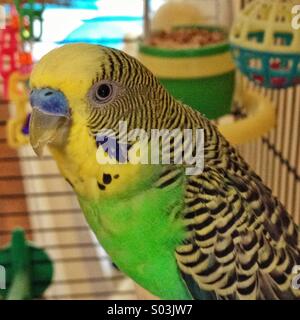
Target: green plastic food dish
203,77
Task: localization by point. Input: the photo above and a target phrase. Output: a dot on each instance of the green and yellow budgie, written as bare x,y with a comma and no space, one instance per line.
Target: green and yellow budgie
219,234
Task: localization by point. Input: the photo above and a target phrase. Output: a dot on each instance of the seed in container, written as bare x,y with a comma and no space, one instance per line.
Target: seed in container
183,38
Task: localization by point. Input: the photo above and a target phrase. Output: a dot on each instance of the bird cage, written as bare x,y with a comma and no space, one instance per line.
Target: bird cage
266,47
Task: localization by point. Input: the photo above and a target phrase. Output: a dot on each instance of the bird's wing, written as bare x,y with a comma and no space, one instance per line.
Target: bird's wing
241,244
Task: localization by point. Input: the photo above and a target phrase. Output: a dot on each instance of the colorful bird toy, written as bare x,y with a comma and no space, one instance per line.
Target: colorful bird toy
265,46
30,16
9,48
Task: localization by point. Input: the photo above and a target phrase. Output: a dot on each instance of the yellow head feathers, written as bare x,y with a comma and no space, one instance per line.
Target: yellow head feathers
70,69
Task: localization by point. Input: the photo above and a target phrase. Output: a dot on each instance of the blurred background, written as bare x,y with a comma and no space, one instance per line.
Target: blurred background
236,61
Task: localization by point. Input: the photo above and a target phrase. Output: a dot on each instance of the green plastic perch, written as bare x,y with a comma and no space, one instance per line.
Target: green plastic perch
29,270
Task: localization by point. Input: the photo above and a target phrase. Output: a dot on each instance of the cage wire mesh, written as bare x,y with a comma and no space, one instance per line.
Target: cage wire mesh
35,196
276,156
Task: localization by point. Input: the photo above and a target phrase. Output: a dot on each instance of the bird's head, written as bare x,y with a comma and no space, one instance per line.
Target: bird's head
90,87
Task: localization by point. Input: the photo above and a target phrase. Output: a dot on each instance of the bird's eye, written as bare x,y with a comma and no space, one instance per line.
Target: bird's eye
104,92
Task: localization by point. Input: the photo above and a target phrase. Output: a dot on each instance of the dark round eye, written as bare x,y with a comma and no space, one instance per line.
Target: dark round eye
104,92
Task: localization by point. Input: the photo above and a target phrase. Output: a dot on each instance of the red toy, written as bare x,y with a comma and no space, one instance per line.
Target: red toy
26,62
9,49
12,56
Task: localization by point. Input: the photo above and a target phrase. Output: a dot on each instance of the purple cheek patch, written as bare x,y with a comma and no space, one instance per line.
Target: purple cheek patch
25,129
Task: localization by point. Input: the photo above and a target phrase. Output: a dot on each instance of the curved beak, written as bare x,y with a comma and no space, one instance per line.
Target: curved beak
50,119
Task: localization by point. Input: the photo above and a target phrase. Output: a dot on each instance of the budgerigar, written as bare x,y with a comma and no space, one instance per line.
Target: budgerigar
218,234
